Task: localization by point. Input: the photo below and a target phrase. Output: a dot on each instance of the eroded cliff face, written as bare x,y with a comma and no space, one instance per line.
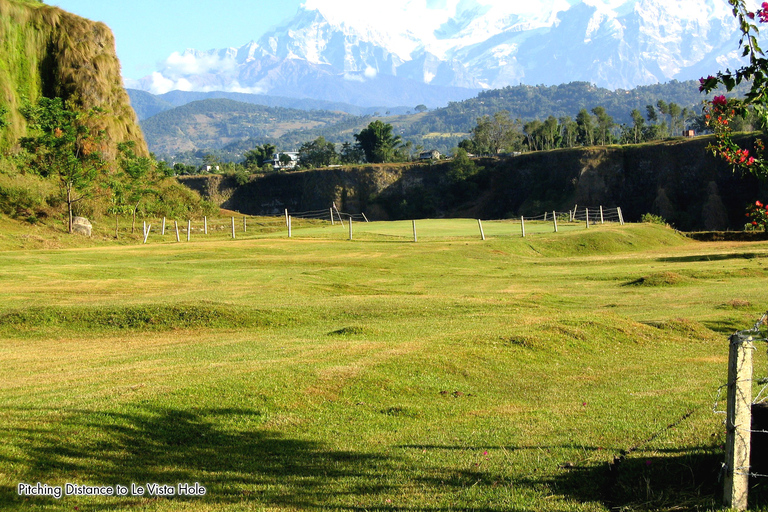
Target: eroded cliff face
45,51
678,180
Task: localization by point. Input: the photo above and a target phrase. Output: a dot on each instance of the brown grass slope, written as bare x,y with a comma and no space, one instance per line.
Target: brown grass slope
45,51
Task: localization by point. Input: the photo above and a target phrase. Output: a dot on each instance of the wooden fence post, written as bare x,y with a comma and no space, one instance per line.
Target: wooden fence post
522,225
738,422
480,224
554,218
245,225
333,223
621,217
176,225
364,217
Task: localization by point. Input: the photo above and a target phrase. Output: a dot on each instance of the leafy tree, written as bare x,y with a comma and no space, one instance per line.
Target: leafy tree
136,178
65,146
461,167
570,131
650,113
497,133
318,153
420,108
586,133
604,125
258,156
351,154
638,123
532,132
377,142
675,121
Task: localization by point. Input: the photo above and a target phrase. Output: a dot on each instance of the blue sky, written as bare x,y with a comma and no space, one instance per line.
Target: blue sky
148,31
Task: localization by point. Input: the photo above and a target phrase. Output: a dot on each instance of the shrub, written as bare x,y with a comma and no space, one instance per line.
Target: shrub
650,218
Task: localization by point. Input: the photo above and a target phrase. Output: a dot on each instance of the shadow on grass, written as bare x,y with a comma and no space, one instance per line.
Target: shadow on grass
714,257
238,461
686,479
234,462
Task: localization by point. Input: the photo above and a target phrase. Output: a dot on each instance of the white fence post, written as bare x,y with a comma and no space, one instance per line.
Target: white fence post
587,212
146,233
738,423
621,217
602,220
286,216
480,224
333,223
414,231
350,228
554,218
289,226
522,225
233,227
245,224
163,232
176,225
189,229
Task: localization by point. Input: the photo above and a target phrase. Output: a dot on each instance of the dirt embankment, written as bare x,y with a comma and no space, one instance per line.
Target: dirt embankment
678,180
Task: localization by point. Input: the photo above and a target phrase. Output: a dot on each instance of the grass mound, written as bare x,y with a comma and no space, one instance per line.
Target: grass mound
660,279
153,317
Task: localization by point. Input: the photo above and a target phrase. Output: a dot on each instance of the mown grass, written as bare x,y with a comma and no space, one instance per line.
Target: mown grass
555,372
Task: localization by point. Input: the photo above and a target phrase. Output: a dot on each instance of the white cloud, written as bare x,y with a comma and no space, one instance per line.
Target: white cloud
160,84
189,63
370,72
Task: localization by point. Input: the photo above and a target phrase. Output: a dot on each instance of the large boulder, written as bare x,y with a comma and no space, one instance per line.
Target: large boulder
81,226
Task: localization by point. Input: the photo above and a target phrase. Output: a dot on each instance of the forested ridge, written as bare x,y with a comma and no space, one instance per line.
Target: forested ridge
440,129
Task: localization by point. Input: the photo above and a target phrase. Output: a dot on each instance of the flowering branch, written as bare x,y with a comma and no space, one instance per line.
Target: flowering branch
720,111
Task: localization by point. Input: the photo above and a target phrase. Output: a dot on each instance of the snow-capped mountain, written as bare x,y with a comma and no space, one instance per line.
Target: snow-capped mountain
392,54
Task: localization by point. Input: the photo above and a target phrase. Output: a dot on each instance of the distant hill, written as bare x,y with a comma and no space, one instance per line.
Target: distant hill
210,124
184,129
148,105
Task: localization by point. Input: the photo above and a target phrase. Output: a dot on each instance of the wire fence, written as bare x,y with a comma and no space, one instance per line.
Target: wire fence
744,376
321,224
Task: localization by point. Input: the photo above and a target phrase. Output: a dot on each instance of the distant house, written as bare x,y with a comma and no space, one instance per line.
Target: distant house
689,133
209,168
429,155
285,160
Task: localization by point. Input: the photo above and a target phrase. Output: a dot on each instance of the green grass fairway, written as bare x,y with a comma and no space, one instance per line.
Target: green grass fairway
431,229
378,374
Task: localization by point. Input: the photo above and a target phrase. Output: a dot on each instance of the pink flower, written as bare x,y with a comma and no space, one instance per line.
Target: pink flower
719,100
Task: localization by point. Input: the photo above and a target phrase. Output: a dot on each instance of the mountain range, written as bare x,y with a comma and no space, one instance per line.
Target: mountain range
364,57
